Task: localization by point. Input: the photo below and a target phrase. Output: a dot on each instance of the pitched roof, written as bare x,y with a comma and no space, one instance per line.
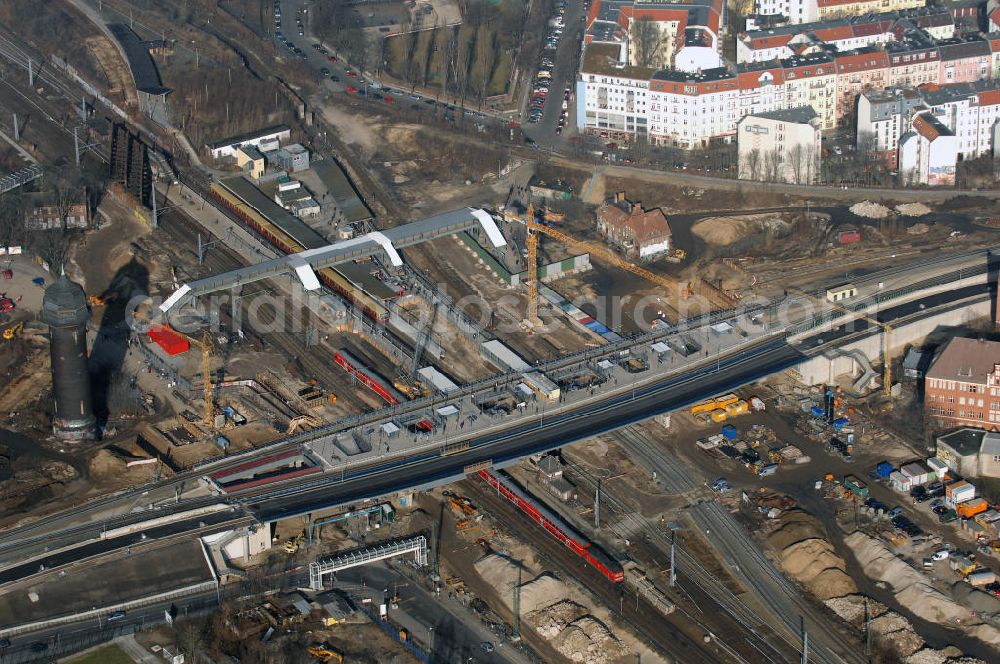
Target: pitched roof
645,225
966,360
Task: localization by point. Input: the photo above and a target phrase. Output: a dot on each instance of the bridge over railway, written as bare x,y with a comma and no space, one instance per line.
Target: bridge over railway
304,263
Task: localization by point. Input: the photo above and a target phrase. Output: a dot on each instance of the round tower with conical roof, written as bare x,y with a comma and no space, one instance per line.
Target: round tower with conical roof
64,310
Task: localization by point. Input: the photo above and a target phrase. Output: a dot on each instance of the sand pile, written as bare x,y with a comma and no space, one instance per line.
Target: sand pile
913,209
870,210
501,572
913,591
918,228
722,231
808,557
542,592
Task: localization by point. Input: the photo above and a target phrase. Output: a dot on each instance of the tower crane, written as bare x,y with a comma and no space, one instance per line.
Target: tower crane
531,244
886,336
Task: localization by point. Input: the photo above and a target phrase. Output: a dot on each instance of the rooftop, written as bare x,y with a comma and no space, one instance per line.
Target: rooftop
603,59
965,441
342,191
249,136
140,62
966,360
799,114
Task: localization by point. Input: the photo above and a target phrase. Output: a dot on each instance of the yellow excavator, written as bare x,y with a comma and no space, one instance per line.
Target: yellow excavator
13,330
324,652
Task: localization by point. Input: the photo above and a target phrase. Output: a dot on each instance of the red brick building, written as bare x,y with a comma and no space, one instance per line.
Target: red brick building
637,232
962,385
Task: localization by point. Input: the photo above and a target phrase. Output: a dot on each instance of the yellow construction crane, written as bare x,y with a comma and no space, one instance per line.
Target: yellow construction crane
205,345
886,336
594,250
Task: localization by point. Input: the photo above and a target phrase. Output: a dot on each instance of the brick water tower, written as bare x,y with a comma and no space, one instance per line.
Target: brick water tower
64,310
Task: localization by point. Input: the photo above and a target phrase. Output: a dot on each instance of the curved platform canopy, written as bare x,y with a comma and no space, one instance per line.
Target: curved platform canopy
305,263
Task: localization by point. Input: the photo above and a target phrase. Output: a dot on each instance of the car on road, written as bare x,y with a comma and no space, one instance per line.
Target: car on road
487,646
559,130
4,643
352,74
115,615
894,512
324,71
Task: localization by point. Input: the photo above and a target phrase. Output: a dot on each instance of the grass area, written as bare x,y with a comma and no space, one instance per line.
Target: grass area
107,655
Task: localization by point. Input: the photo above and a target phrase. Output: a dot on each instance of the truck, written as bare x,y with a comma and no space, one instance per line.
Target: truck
856,486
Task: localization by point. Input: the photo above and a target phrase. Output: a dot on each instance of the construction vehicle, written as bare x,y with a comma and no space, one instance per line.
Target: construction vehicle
411,390
714,404
324,652
293,543
13,330
688,291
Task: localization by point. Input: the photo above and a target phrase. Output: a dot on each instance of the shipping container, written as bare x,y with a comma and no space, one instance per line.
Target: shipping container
718,415
171,342
859,488
737,408
982,577
971,508
849,237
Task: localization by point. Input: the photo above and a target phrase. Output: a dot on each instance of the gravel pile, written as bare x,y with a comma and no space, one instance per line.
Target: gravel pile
851,608
870,210
913,209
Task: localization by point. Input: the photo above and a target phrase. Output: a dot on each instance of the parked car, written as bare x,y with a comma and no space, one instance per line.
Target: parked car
943,554
721,485
894,512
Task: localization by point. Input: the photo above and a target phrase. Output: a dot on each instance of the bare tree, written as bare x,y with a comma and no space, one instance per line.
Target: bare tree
486,56
799,163
751,169
646,43
67,187
772,165
52,246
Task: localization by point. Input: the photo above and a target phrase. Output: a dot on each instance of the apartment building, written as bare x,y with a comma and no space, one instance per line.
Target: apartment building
677,35
615,96
858,71
842,34
962,385
964,59
780,146
834,8
928,152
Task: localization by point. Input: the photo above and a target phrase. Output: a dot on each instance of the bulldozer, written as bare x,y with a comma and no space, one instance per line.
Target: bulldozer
324,652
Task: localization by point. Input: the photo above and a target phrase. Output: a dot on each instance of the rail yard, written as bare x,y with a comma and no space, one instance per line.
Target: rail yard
323,380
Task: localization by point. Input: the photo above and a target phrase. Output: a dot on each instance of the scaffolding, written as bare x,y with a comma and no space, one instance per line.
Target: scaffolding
415,545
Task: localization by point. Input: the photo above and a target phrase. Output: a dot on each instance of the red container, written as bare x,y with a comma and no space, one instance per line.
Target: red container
849,237
171,342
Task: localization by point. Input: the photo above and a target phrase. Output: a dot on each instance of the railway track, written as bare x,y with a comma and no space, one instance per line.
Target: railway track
701,587
662,634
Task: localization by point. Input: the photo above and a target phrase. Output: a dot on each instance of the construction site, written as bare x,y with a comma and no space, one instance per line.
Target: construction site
354,382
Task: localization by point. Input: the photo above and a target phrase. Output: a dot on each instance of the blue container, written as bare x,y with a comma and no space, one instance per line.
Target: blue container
883,469
817,411
729,431
840,423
